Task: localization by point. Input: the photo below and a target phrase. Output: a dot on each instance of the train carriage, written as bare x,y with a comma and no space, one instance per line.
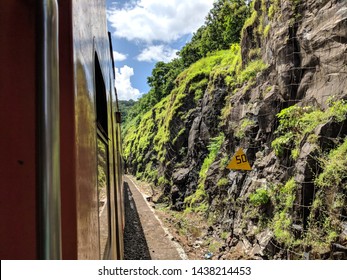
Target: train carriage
61,174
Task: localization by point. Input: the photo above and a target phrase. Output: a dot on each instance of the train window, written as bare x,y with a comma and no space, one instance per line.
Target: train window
101,102
103,189
103,197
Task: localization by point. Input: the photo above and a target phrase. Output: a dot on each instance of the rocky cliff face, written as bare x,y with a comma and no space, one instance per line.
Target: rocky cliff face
287,112
306,52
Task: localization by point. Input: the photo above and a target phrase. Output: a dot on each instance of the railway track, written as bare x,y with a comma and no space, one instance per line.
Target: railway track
145,236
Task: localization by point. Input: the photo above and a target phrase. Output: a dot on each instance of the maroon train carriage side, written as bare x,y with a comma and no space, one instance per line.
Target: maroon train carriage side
61,175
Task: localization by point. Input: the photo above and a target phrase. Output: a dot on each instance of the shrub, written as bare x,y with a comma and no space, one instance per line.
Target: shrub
335,168
260,197
296,122
282,221
251,70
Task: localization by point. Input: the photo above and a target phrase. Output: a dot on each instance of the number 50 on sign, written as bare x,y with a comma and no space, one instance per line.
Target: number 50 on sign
239,161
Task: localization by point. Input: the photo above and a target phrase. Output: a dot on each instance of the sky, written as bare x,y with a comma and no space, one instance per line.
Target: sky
147,31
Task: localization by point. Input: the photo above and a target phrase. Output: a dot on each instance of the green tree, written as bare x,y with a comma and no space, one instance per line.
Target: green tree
192,51
163,78
224,24
222,28
124,107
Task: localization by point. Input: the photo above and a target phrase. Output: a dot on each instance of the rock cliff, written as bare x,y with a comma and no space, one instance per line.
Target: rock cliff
281,97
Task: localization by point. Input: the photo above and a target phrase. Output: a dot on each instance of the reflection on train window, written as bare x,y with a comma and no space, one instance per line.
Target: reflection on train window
102,152
101,101
103,198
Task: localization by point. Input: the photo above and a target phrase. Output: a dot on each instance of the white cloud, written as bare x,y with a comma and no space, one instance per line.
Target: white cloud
159,20
124,88
157,53
119,56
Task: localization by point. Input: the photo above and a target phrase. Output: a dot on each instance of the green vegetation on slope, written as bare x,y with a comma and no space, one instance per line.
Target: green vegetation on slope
197,201
298,122
153,130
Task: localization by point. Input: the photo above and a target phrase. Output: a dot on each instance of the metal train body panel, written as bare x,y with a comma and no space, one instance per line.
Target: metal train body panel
18,124
90,151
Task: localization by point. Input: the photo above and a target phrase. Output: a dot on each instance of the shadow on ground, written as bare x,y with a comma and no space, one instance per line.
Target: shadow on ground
135,245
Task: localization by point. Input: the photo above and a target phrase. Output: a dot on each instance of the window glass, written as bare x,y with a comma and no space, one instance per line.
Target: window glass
103,197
